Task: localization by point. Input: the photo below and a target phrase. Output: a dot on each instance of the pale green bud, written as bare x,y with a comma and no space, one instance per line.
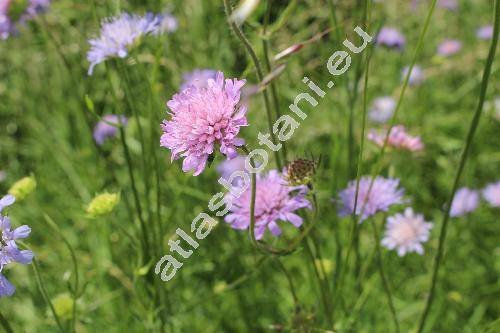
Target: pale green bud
103,204
23,187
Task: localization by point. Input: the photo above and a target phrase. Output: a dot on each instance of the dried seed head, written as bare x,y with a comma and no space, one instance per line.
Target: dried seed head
301,172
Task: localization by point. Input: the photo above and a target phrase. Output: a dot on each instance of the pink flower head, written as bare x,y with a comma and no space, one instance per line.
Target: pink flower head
398,138
406,232
485,32
464,201
203,118
449,47
492,194
391,38
275,200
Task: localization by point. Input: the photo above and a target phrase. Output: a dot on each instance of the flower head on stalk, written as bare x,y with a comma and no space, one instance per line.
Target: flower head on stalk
464,201
416,76
485,32
398,138
203,119
119,34
383,194
18,12
391,38
382,109
449,47
406,232
492,194
275,201
300,172
104,130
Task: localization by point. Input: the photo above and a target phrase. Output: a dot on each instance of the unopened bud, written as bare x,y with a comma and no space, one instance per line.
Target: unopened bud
103,204
23,187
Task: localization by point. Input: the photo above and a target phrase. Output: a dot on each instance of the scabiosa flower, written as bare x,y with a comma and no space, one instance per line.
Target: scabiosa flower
448,4
449,47
104,130
398,138
406,232
14,13
391,38
167,24
464,201
384,193
492,194
485,32
227,167
202,119
198,78
275,200
118,34
416,76
382,109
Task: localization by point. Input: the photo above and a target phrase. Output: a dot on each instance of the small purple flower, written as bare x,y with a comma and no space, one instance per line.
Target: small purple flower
384,193
14,13
398,138
492,194
167,24
449,47
198,78
382,109
203,119
485,32
391,38
227,167
448,4
406,232
416,76
464,201
6,201
6,288
275,201
104,130
118,34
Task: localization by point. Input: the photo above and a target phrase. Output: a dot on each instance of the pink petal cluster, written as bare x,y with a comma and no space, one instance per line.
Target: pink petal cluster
465,201
492,194
398,138
275,200
203,119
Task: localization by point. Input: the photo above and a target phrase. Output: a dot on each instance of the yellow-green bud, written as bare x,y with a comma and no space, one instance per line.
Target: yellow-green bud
63,305
103,204
23,187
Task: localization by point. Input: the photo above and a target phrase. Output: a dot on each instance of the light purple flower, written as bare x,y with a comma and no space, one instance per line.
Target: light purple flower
167,24
227,167
464,201
9,251
485,32
198,78
391,38
103,130
6,201
6,288
448,4
275,201
203,119
384,193
118,34
492,194
398,138
406,232
416,76
449,47
382,109
12,15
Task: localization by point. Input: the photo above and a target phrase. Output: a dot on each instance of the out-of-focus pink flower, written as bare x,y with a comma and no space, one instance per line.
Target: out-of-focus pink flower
464,201
492,194
382,109
449,47
104,130
398,138
485,32
203,119
198,78
416,76
391,38
275,201
448,4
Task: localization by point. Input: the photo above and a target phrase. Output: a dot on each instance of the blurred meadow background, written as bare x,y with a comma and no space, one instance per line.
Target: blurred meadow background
93,272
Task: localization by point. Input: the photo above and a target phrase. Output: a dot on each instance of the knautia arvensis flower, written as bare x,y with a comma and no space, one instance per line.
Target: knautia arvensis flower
204,119
108,127
198,78
465,201
391,38
300,172
491,194
398,139
17,12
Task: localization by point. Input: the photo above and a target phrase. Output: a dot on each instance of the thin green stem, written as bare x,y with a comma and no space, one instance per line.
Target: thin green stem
290,282
5,324
383,276
463,159
260,75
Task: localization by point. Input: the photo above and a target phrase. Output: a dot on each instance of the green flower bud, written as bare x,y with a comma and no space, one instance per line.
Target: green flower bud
23,187
103,204
63,305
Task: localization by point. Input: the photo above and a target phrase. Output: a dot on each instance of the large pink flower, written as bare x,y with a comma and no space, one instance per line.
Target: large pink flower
202,119
275,200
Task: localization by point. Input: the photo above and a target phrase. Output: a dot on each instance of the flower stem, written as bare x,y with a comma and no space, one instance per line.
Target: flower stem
383,276
260,75
5,324
463,159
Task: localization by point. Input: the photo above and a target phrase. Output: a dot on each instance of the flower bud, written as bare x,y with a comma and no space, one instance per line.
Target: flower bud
23,187
103,204
63,305
300,172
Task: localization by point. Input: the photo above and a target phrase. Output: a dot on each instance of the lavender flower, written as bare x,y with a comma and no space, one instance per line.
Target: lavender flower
391,38
406,232
384,193
167,24
448,4
6,288
275,200
416,76
464,201
198,78
202,119
227,167
449,47
15,13
485,32
382,109
6,201
103,130
398,138
120,33
492,194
